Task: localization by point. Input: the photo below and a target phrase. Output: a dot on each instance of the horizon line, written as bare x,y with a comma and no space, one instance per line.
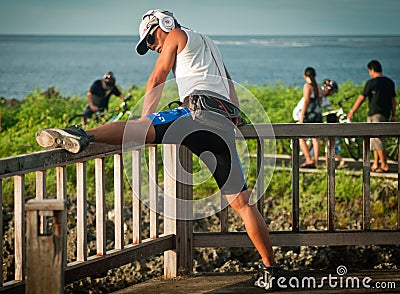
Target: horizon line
220,35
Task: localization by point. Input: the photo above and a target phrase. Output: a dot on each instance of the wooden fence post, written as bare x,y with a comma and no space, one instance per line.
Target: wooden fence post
45,250
331,183
178,209
295,185
184,223
366,215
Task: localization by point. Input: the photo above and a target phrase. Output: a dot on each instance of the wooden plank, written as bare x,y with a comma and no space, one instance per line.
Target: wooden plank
366,221
97,265
331,184
290,281
81,212
178,209
51,158
153,192
47,159
136,196
13,287
288,238
45,250
337,238
61,182
224,215
320,130
41,194
295,185
260,177
47,205
19,227
41,184
170,156
321,240
1,231
62,194
100,207
398,183
184,223
118,202
100,264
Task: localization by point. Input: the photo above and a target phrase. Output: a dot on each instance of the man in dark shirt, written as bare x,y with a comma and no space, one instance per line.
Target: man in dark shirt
99,95
381,94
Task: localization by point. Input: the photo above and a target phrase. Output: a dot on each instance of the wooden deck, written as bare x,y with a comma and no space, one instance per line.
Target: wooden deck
243,283
175,237
283,162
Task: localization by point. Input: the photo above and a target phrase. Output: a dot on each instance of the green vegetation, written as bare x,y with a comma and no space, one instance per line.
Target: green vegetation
19,122
279,100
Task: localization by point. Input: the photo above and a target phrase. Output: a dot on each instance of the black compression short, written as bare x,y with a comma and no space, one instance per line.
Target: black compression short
216,148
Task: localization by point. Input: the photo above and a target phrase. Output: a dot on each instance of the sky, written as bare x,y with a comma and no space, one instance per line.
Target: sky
213,17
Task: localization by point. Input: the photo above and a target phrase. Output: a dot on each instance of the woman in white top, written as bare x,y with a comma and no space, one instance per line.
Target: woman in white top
311,113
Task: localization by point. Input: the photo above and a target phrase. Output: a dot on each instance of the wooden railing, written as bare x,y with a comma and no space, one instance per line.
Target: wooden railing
177,241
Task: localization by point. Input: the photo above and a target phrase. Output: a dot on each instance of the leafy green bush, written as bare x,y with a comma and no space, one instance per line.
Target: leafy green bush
38,110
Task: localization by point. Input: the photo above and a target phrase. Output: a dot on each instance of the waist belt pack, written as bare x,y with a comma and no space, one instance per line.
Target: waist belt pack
198,102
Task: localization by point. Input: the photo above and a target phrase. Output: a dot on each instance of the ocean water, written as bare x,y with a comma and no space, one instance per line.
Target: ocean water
72,63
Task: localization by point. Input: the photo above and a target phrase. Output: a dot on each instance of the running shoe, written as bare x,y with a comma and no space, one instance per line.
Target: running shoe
73,139
267,276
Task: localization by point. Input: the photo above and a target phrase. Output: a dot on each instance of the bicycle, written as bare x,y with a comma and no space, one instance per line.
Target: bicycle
353,146
392,148
103,116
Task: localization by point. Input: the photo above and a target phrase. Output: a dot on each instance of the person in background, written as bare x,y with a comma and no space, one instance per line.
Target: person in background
332,118
311,112
381,94
200,76
99,95
329,88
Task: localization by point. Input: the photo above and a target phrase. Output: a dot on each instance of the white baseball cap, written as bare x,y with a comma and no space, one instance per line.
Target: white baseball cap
149,20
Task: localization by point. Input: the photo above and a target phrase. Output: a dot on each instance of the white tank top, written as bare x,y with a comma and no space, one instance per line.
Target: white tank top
199,66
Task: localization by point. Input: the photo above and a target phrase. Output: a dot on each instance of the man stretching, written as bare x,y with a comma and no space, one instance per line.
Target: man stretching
201,76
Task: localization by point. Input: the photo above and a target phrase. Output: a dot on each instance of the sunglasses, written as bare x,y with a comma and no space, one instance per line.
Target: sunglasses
150,39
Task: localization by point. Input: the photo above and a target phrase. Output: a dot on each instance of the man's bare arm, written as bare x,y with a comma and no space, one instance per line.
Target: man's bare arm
155,84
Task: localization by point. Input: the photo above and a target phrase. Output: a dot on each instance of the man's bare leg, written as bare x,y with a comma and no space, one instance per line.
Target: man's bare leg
255,225
138,131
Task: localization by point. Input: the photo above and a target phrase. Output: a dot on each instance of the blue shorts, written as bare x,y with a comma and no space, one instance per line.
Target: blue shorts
216,148
338,150
167,116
